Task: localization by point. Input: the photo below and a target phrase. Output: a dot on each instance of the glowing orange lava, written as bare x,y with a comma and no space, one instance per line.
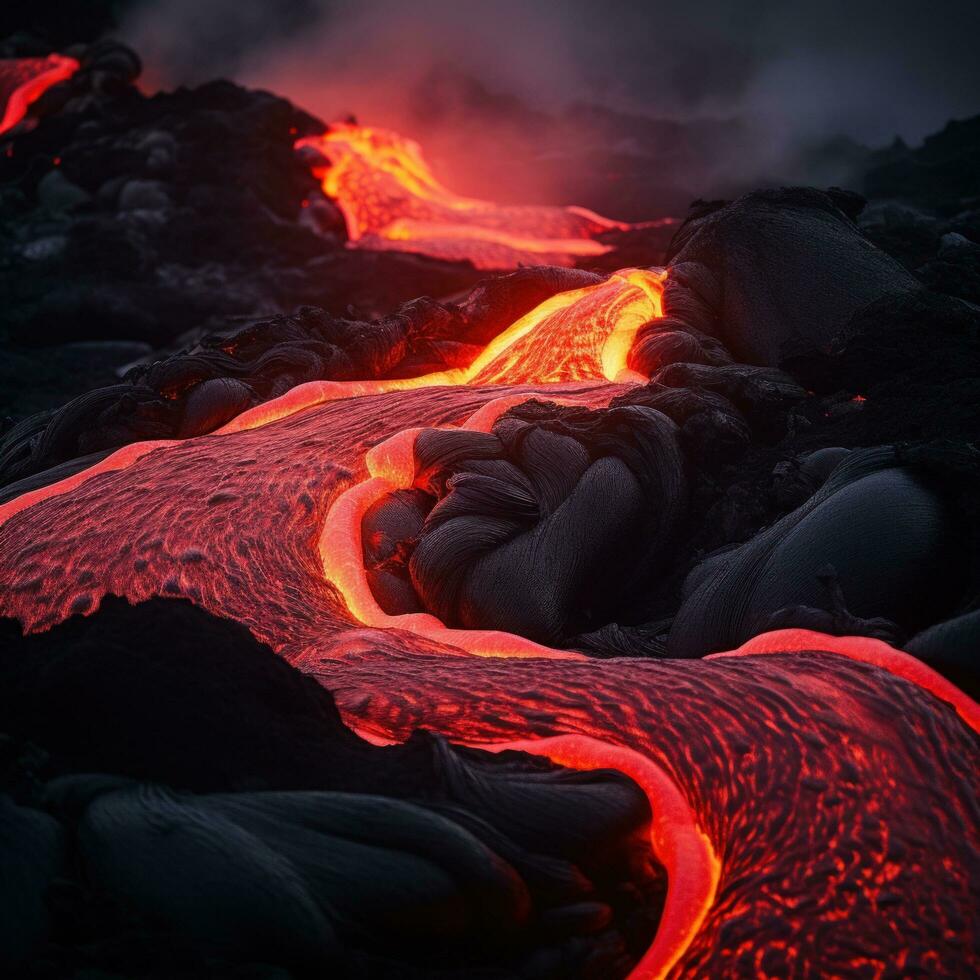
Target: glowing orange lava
392,201
578,335
692,866
801,789
24,80
391,465
867,650
814,797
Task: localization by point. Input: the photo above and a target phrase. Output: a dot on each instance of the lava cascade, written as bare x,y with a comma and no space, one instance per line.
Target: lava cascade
24,80
391,200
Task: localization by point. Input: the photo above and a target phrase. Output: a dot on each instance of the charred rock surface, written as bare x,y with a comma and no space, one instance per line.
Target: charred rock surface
888,529
819,271
561,520
147,219
545,525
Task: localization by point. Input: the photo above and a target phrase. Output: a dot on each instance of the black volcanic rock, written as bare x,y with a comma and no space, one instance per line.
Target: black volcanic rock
258,359
154,219
789,270
942,175
203,705
546,525
894,529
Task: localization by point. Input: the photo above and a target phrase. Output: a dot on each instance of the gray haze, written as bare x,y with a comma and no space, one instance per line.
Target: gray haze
793,73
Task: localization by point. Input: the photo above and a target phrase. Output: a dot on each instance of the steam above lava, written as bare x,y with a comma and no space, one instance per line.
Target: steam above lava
750,90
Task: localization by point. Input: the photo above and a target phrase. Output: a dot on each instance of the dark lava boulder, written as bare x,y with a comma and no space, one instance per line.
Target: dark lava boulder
891,529
784,270
544,525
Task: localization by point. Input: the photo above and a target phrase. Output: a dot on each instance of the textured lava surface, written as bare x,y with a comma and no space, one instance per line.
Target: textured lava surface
23,80
231,521
839,799
392,200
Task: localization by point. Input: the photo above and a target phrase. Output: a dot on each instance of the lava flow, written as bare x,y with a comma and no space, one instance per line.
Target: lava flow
815,810
389,197
392,201
24,80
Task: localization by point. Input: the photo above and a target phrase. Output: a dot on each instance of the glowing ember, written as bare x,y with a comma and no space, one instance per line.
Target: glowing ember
391,200
24,80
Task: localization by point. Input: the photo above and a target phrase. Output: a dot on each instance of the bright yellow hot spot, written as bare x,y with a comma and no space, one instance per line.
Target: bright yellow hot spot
580,335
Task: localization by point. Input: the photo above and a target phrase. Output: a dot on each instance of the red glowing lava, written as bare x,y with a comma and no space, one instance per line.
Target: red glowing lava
814,798
832,798
391,466
24,80
571,345
684,850
391,200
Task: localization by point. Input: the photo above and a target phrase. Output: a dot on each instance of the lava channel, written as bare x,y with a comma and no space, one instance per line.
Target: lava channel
816,804
391,200
24,80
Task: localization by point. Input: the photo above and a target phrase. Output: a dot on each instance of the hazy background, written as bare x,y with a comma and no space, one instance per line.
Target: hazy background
502,93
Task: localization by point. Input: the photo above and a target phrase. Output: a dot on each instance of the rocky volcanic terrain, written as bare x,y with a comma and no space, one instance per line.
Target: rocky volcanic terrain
263,513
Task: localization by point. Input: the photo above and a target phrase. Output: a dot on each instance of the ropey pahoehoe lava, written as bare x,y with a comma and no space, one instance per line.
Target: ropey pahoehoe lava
528,716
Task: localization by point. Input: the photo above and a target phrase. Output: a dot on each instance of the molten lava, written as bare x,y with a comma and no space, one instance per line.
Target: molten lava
24,80
826,817
814,797
577,335
392,201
